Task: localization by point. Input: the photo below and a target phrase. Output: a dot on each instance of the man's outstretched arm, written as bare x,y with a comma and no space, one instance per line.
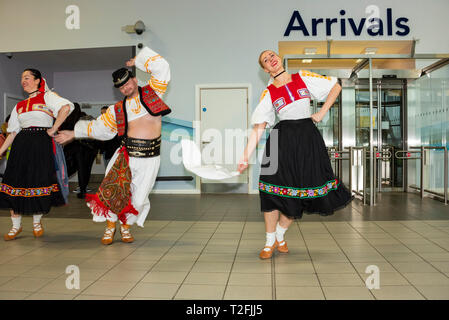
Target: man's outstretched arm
102,128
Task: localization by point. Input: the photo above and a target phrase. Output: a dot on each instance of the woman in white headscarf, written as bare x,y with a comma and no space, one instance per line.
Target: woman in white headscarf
32,182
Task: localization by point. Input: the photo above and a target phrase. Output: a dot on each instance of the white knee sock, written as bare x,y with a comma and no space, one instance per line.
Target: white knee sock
16,222
280,231
271,238
37,218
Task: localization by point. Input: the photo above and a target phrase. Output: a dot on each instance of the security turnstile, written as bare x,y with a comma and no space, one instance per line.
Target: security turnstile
419,153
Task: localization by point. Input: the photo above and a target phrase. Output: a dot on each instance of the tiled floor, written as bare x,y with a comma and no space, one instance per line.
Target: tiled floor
206,247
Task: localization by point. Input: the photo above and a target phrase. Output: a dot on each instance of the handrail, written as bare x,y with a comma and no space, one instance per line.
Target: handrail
335,154
351,164
422,157
408,154
385,158
382,155
175,178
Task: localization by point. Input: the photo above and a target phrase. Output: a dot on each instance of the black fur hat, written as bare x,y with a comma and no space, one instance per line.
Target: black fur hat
120,76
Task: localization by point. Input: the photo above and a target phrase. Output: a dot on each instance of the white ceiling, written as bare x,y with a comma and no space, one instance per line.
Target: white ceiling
76,59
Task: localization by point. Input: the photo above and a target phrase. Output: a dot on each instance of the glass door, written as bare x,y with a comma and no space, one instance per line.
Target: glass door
330,130
329,126
362,116
387,120
391,172
362,134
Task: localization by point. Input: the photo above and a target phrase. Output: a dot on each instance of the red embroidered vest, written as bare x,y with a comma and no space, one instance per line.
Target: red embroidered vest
283,96
151,102
32,104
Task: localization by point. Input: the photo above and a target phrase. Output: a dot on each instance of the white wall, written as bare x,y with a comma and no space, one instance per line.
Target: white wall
205,41
9,84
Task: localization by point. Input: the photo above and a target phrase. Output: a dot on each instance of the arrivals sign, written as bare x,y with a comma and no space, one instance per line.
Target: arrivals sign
344,25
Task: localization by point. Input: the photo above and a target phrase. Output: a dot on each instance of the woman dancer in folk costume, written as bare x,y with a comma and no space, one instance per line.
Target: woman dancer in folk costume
296,175
132,171
35,178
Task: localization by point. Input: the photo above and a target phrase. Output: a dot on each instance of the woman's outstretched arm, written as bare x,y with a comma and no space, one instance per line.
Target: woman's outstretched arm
253,140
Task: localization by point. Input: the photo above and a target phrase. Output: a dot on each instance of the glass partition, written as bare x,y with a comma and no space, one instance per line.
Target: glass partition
428,125
329,126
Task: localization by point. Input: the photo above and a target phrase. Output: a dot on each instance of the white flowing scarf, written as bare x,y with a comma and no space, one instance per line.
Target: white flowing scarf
191,158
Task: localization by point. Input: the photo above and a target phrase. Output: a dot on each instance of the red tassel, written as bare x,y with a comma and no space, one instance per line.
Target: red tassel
96,205
100,209
128,209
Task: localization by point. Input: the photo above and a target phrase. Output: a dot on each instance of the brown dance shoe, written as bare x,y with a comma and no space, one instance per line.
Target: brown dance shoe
267,254
12,234
126,234
109,233
38,230
282,246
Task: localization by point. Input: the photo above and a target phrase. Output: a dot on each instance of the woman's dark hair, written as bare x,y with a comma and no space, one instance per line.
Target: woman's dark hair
36,74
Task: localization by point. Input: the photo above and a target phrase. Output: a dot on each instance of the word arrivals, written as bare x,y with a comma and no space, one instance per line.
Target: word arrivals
198,310
375,26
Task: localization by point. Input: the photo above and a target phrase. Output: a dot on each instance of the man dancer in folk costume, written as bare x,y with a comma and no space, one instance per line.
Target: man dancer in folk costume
131,173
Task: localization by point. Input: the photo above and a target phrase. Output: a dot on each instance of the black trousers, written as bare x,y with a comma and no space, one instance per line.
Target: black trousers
80,158
85,159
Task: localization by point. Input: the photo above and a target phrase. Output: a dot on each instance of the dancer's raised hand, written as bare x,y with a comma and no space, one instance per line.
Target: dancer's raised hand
131,62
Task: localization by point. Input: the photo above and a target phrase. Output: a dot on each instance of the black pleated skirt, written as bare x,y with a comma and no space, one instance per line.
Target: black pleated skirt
296,174
30,184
